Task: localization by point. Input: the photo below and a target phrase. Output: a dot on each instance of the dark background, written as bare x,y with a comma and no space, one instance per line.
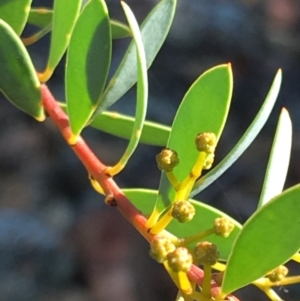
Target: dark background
58,241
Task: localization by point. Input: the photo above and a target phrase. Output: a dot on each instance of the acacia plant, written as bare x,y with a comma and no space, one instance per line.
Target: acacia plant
207,254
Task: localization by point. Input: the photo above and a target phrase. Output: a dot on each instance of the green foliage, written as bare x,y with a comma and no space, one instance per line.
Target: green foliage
204,108
86,33
279,160
119,30
142,91
62,26
88,61
154,31
247,138
272,233
204,218
15,13
121,125
16,66
40,17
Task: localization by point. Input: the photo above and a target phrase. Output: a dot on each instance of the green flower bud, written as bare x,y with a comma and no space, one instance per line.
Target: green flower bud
183,211
160,247
209,161
223,226
206,142
167,159
278,274
206,253
180,260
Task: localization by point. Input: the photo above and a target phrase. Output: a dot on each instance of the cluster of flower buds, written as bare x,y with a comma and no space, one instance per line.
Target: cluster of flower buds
223,226
160,247
163,249
183,211
180,260
167,159
206,142
278,274
206,253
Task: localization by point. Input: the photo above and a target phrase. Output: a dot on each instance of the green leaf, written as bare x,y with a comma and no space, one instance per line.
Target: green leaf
144,200
121,126
88,62
41,17
268,239
15,13
119,30
18,79
279,160
62,27
154,31
142,92
248,137
204,108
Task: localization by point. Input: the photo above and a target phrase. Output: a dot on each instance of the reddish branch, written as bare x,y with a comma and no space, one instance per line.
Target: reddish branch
114,195
93,165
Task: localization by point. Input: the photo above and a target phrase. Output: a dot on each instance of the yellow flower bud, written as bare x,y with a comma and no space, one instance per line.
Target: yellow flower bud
160,247
223,226
167,159
278,274
183,211
206,142
206,253
180,260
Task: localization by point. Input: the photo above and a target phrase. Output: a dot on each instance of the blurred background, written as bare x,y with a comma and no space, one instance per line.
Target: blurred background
58,241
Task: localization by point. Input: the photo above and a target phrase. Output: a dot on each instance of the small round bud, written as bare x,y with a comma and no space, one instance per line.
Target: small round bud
209,161
167,159
183,211
278,274
223,226
206,253
180,260
206,142
160,247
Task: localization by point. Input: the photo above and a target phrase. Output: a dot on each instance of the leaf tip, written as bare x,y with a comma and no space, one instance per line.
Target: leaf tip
72,140
284,113
279,74
126,9
41,117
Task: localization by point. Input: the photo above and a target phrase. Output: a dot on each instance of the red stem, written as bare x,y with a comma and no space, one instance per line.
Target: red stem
94,166
114,195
